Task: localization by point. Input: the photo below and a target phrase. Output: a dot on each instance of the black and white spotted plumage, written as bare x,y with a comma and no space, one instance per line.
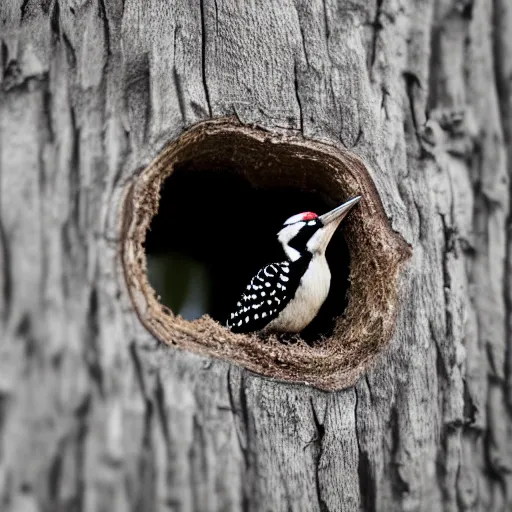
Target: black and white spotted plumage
268,293
286,296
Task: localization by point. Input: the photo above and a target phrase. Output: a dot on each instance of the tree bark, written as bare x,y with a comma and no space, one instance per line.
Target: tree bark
95,414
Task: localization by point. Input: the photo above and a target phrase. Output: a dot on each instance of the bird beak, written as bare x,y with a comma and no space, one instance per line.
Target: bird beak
338,214
331,220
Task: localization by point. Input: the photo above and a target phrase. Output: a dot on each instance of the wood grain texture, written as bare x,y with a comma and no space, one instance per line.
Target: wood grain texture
94,414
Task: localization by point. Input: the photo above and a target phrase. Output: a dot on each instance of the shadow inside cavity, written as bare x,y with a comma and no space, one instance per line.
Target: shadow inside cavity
214,231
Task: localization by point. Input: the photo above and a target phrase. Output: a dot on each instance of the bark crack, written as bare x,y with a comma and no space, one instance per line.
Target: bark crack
399,482
412,81
5,259
106,25
4,407
449,248
92,352
303,41
384,101
23,9
162,412
318,440
70,51
366,481
241,413
82,414
297,96
179,93
203,57
177,82
502,18
139,371
358,137
54,18
377,27
216,17
234,409
326,22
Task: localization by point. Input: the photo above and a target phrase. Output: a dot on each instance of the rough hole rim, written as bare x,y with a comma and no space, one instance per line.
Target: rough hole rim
375,250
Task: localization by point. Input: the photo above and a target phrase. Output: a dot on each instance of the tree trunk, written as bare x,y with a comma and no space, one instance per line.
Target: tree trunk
95,414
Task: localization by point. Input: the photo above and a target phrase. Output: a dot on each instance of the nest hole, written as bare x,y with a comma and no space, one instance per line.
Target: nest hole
214,230
202,218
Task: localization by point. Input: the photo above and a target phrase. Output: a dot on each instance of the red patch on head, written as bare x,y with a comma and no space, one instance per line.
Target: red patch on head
309,216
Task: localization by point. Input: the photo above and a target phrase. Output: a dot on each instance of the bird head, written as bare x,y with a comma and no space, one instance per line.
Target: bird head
310,232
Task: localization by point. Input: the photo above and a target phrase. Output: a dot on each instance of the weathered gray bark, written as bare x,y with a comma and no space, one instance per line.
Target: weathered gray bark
94,414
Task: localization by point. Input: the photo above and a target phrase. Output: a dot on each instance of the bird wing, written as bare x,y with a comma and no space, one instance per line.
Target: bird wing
264,298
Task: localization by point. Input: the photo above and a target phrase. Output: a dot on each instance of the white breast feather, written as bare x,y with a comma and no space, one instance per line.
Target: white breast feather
311,294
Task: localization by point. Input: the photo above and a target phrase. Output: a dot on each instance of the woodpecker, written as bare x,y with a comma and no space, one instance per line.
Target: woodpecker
286,296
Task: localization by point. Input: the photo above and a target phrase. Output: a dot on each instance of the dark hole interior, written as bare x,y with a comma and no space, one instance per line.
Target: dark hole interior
214,231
